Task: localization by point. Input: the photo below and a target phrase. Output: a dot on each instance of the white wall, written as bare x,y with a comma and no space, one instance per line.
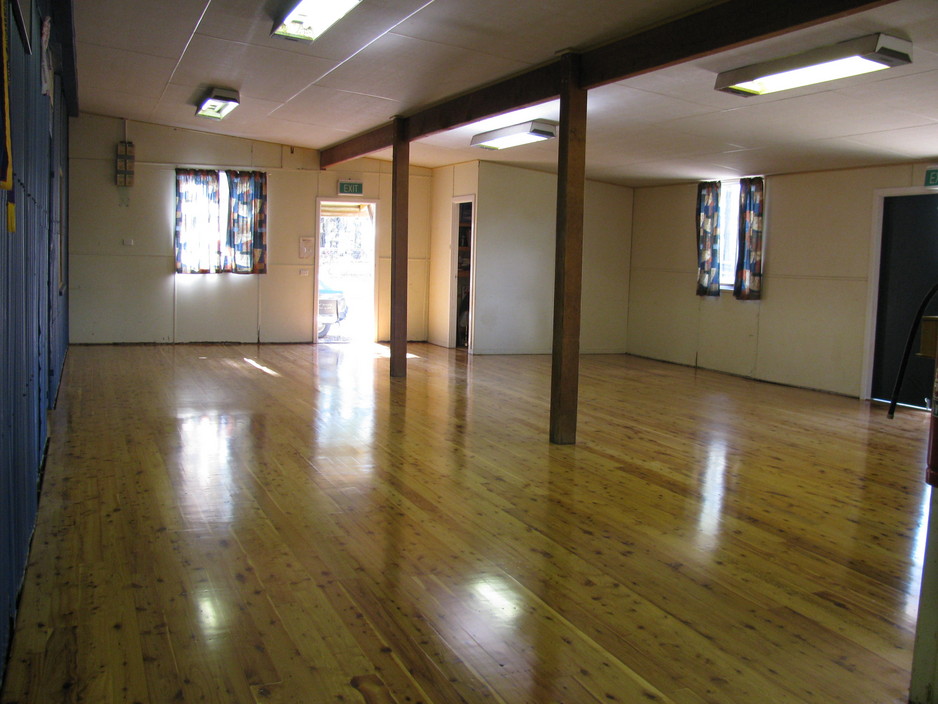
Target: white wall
810,327
122,292
460,181
513,267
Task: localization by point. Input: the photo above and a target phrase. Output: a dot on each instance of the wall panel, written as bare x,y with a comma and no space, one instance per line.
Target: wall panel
33,305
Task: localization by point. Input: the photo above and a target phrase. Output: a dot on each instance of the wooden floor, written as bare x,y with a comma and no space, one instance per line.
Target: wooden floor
287,524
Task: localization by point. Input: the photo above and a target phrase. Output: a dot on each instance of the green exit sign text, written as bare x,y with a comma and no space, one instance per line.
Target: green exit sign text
351,188
931,177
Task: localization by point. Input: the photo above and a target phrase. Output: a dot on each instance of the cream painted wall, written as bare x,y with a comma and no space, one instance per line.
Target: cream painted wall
450,184
607,229
809,330
810,327
513,263
123,292
376,178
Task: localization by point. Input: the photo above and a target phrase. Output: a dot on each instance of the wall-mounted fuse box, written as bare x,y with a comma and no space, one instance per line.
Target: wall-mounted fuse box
125,163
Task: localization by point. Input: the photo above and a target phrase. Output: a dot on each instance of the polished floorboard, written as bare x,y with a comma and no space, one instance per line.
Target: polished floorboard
284,523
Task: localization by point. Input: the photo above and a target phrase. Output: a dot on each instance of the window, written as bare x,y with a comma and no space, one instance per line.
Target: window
729,232
729,237
221,222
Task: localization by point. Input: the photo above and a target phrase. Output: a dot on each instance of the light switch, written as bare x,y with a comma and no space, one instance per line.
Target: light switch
306,247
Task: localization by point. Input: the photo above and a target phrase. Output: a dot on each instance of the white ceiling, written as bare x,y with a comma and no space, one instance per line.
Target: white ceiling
151,60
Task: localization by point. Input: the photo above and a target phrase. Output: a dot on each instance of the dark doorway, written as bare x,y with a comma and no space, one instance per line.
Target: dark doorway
463,270
908,271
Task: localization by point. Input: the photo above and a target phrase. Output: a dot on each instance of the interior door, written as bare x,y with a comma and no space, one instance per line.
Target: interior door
908,271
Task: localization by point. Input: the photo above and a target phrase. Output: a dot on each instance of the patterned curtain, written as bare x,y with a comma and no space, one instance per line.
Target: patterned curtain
247,222
211,239
748,285
198,228
708,238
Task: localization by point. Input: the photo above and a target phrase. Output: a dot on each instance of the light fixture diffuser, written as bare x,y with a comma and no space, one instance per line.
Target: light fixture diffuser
855,57
515,135
219,103
311,18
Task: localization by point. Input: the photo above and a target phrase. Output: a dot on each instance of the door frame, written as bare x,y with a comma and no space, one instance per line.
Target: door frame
454,267
374,274
876,252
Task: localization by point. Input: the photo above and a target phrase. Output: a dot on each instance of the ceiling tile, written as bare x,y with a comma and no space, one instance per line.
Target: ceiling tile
351,112
415,72
909,143
256,71
123,71
151,28
247,21
179,104
916,93
807,118
531,32
150,60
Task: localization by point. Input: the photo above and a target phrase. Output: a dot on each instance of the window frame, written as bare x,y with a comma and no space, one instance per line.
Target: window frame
220,247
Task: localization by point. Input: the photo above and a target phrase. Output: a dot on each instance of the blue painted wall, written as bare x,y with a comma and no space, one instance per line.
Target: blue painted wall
33,305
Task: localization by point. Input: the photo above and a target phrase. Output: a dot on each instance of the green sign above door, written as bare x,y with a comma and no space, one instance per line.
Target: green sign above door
351,188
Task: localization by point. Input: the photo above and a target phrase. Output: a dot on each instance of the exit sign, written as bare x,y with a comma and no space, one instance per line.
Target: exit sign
931,176
355,188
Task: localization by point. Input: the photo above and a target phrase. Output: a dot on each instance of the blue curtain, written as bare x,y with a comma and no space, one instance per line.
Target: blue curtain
247,222
748,286
708,238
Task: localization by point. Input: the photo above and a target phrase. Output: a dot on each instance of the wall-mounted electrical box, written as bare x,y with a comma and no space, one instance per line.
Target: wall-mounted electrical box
125,163
306,247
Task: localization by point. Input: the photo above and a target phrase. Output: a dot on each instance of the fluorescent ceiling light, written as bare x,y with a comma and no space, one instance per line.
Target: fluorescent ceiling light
220,102
851,58
310,18
523,133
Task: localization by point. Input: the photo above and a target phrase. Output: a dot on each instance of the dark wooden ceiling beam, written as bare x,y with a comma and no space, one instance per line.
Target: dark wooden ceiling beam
708,31
529,88
366,143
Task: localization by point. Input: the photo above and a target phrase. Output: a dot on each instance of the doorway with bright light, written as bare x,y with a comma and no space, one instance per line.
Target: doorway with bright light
346,272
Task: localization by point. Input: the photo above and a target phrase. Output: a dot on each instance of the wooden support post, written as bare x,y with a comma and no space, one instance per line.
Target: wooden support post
571,181
399,205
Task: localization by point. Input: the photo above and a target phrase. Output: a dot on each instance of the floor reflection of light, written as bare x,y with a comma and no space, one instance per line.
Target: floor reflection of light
712,488
385,352
347,393
211,619
205,460
500,601
258,365
917,557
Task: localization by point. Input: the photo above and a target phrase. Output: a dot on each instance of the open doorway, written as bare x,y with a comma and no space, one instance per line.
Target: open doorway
346,272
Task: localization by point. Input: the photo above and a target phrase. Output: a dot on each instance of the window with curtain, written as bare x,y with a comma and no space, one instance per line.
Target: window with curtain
221,222
708,238
729,237
748,285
